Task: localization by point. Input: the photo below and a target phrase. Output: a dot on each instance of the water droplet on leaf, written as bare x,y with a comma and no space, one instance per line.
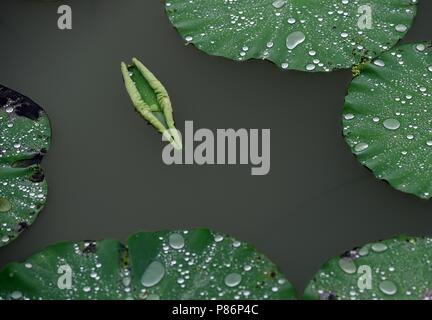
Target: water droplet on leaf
153,274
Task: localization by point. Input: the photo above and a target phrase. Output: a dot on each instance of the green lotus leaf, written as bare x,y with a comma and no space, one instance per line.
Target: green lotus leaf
151,100
294,34
25,136
395,269
194,265
387,118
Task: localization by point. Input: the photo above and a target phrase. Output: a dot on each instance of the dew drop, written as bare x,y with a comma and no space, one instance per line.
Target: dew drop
388,287
153,274
379,63
294,39
279,3
421,47
349,116
364,251
176,241
218,238
401,28
233,280
347,265
430,68
429,143
391,124
189,38
291,20
361,147
310,67
16,295
285,65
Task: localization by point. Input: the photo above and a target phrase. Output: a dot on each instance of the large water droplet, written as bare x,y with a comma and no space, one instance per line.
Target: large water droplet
233,280
16,295
5,205
364,251
347,265
294,39
176,241
153,274
310,67
379,63
421,47
126,281
379,247
391,124
388,287
401,28
218,238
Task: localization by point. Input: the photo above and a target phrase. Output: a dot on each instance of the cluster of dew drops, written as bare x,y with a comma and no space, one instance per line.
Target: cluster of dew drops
386,285
296,38
175,261
24,194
